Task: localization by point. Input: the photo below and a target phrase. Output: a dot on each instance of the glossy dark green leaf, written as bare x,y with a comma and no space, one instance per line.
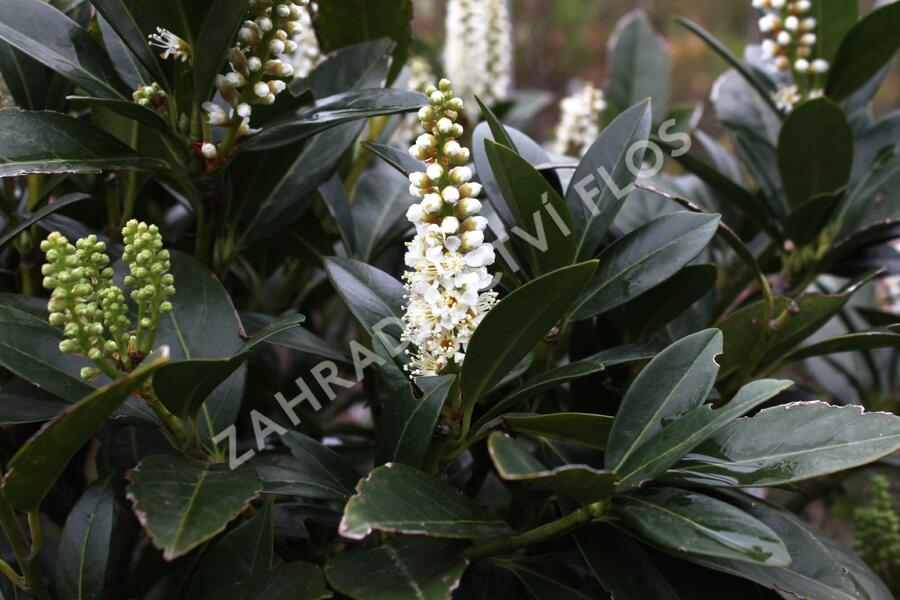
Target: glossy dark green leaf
850,342
820,567
340,24
133,26
29,347
333,111
39,214
37,465
243,553
398,158
313,471
866,48
807,221
127,108
406,426
550,577
834,19
547,380
645,314
183,502
499,132
379,207
676,381
49,36
683,523
84,543
30,83
184,385
400,499
129,69
48,142
518,322
405,568
297,338
579,428
815,151
676,439
597,191
531,199
645,258
292,581
286,201
358,66
740,328
204,324
639,65
372,295
18,410
790,443
580,482
214,38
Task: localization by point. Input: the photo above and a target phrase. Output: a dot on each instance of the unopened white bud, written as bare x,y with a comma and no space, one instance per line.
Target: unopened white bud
802,6
416,152
284,11
426,141
414,214
235,79
432,203
769,23
245,34
434,171
269,99
475,223
276,46
820,65
809,23
778,4
801,65
460,175
472,239
254,64
452,148
470,190
290,46
436,98
468,207
208,150
770,49
243,110
260,89
792,23
450,195
419,179
444,125
276,86
450,225
783,38
265,24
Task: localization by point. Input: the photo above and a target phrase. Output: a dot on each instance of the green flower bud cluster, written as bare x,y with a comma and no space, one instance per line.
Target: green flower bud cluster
86,303
148,265
77,274
150,96
877,529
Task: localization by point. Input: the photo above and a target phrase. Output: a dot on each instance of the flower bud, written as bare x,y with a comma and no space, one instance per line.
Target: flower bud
450,195
472,239
450,225
260,89
434,171
208,150
432,203
467,207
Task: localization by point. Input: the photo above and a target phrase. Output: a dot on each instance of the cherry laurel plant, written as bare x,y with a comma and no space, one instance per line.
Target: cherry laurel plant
285,315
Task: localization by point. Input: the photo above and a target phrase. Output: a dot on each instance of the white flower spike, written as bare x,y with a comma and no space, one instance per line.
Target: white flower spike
448,286
579,121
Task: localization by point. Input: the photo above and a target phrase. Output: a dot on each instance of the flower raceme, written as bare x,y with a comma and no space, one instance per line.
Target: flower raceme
579,122
86,302
478,49
790,43
448,285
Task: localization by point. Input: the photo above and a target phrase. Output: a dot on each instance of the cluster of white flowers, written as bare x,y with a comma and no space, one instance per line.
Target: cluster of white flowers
579,121
448,293
420,75
790,43
478,49
257,65
307,55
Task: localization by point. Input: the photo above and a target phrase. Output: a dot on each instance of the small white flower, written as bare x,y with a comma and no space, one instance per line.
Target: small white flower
215,114
171,44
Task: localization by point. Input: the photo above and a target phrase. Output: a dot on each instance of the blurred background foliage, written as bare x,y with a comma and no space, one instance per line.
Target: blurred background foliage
561,43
